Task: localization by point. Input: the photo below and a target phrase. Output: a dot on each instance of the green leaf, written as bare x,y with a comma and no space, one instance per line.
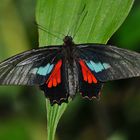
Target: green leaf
89,21
54,114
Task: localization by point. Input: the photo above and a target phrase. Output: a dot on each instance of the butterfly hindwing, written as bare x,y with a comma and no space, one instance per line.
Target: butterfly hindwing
55,87
110,63
89,86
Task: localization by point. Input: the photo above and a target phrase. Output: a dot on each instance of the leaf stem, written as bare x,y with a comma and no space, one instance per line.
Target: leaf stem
54,114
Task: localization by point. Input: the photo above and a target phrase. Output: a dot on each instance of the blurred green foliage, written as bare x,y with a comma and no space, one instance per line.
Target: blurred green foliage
128,35
22,110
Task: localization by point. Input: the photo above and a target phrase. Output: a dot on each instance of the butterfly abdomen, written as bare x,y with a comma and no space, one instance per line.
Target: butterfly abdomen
72,78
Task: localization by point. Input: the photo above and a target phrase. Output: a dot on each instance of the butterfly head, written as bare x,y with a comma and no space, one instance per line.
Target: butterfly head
68,40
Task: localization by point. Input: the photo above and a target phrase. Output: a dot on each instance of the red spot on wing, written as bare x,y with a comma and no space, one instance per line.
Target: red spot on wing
55,77
54,82
87,75
58,77
50,83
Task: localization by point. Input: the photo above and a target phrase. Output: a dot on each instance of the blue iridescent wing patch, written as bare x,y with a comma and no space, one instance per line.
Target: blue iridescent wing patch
97,67
43,71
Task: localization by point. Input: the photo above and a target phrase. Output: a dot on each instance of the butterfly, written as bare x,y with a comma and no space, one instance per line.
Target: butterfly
61,71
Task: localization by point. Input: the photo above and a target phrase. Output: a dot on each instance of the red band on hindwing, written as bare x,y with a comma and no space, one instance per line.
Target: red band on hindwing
55,77
87,75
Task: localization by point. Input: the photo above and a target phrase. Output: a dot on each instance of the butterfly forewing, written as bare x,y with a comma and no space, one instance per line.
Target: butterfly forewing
29,68
110,63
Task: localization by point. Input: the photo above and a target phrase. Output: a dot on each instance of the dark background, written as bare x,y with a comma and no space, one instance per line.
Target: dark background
22,109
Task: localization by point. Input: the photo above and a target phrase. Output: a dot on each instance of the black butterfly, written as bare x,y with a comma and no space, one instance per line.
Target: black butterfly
63,70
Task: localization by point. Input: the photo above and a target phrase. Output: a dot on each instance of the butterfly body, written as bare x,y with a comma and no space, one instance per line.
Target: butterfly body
61,71
69,73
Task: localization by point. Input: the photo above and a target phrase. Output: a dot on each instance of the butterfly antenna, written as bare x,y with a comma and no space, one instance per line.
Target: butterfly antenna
78,20
80,24
48,32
